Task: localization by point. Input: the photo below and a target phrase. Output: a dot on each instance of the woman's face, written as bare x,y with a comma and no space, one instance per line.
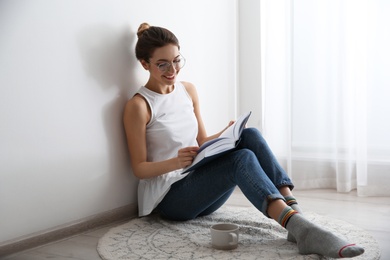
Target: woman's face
165,64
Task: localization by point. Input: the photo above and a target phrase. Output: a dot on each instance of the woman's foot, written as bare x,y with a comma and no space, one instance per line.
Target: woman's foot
312,239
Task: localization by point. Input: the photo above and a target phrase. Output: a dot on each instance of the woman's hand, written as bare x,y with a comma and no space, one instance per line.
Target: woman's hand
230,123
186,155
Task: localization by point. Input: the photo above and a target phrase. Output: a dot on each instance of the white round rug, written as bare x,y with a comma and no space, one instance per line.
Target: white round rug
260,238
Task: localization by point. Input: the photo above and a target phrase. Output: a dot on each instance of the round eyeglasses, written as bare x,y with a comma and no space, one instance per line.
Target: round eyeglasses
177,63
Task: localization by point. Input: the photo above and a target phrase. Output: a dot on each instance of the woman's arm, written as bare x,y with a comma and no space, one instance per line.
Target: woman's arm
136,116
202,135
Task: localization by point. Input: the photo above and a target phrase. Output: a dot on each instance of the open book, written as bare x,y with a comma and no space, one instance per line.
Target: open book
227,141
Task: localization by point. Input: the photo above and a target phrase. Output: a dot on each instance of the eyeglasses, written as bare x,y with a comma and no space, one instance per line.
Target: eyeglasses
178,63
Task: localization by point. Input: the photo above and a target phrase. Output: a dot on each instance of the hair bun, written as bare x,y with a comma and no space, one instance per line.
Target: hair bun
142,28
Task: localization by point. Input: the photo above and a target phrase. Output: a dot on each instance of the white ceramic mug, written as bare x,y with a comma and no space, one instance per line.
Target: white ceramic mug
224,236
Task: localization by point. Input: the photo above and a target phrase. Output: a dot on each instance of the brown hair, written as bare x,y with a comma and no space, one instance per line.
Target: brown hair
150,38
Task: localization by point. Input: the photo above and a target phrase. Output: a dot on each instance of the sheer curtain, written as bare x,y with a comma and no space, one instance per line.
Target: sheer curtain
326,92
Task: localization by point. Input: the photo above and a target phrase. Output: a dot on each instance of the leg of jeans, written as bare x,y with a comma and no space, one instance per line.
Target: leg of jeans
252,139
204,187
216,205
163,207
198,194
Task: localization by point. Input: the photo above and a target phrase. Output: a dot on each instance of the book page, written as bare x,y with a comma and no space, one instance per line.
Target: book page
209,143
234,131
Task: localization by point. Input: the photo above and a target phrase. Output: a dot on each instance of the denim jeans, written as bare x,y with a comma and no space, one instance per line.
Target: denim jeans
251,166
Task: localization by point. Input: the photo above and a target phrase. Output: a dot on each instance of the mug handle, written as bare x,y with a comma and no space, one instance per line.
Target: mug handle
234,239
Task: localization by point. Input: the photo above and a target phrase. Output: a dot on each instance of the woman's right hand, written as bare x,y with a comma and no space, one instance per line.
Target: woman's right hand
186,155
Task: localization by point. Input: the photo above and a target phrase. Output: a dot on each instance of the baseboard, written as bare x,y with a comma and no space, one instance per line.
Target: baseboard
68,230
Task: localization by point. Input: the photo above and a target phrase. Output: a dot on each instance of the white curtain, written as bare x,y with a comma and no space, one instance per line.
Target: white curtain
326,92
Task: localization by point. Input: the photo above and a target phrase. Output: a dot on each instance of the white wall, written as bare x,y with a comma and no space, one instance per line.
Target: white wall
250,61
66,69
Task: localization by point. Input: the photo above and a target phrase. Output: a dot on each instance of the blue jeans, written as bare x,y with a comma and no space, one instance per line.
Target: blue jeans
251,166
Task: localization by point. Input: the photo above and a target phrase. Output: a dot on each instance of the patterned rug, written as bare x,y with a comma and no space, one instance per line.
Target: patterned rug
260,238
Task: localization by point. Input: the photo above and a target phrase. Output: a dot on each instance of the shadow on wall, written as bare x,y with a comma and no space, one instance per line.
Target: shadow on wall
107,53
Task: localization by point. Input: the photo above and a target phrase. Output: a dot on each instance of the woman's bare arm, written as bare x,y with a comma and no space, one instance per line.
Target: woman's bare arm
202,135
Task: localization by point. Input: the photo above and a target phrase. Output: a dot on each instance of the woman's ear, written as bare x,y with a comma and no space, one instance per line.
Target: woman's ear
145,64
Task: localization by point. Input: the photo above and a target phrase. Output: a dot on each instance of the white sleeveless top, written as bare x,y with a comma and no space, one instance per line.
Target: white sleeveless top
172,126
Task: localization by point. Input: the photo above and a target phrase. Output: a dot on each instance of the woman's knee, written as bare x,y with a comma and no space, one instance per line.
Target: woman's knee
244,158
252,134
251,131
252,138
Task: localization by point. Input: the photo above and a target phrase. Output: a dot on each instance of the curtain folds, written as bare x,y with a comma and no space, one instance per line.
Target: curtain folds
326,92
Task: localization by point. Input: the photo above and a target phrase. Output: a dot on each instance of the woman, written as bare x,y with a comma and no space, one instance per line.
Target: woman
164,130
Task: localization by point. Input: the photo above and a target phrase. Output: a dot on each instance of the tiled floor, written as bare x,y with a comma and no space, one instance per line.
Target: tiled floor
370,213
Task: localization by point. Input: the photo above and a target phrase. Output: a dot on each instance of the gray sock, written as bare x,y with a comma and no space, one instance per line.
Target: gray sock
292,202
312,239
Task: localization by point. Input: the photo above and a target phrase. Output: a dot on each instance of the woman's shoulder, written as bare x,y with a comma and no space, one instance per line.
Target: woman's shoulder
137,101
190,88
137,106
187,85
